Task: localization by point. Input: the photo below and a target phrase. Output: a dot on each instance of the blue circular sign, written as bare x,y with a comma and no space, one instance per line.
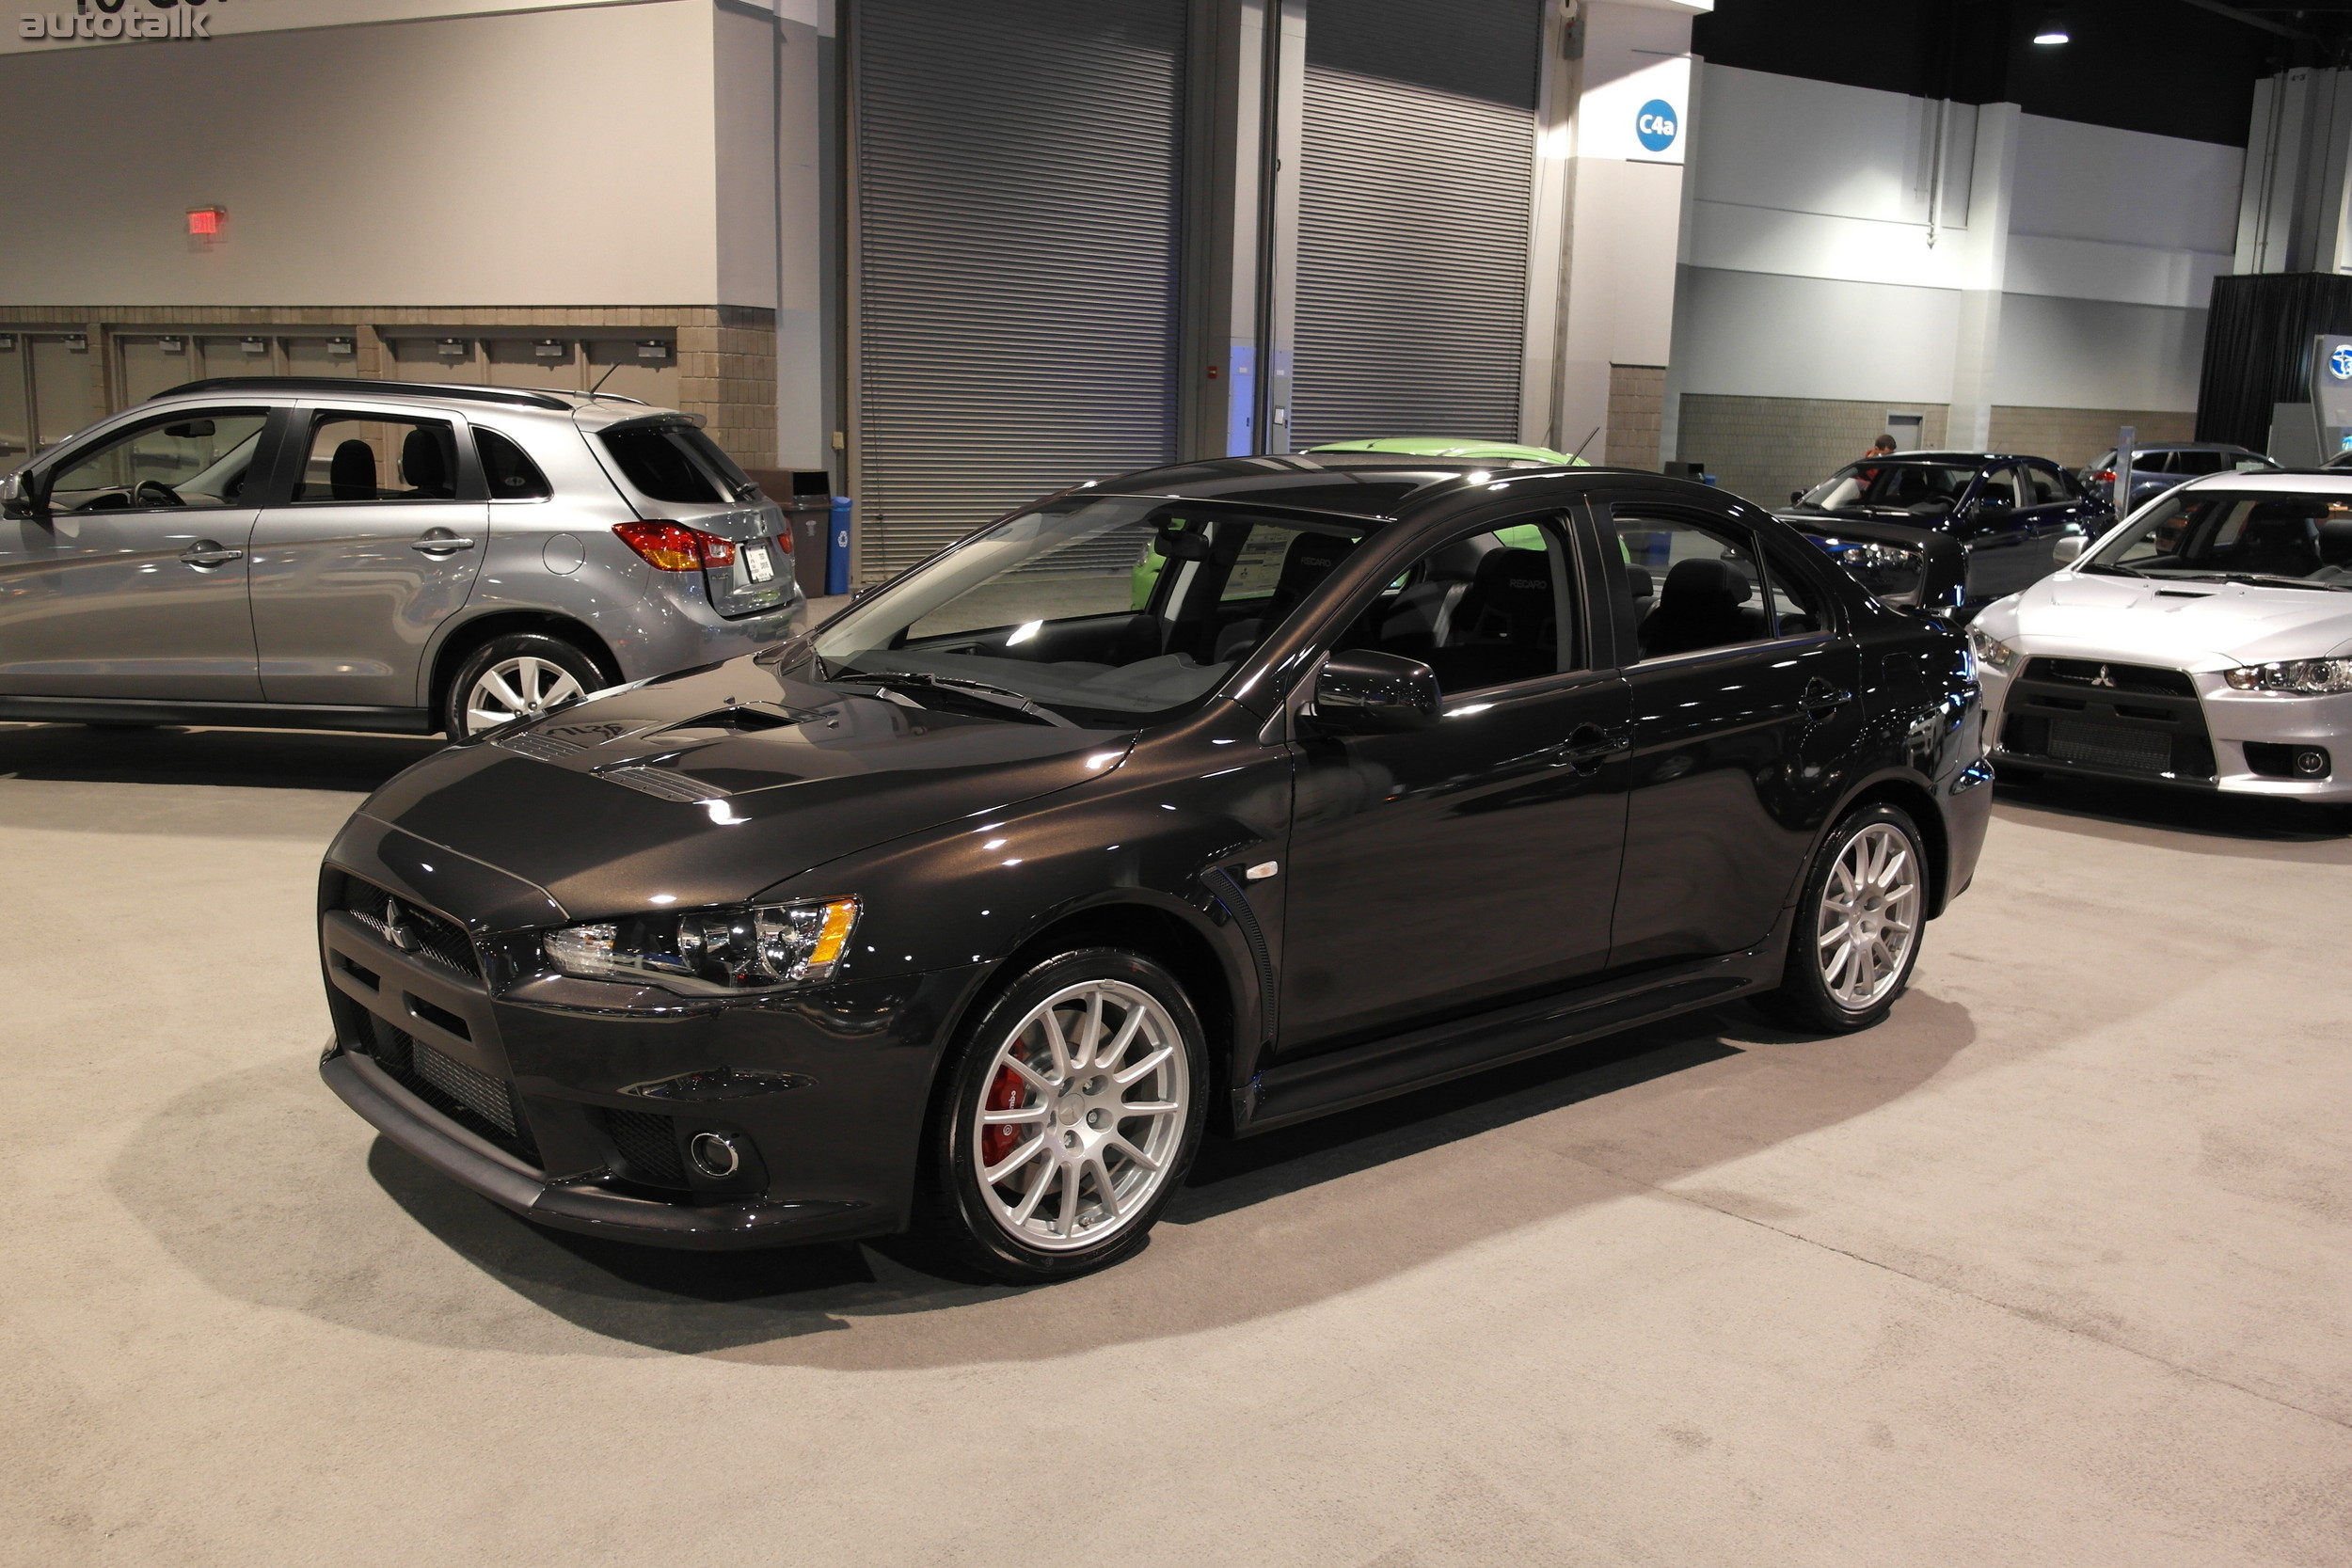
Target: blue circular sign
1656,122
2340,363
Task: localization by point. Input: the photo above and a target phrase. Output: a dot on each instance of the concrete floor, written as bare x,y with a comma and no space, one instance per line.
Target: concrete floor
2054,1268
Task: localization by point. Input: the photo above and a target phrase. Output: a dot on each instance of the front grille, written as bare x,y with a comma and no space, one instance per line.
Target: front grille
2109,745
440,939
647,1144
2090,673
483,1105
2118,718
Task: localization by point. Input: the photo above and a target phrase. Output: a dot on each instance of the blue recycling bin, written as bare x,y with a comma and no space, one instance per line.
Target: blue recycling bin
837,551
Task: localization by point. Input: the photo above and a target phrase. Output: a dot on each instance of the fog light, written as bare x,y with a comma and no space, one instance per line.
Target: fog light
715,1154
2311,762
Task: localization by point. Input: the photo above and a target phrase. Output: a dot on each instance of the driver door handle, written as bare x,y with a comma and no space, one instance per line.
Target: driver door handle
205,553
1819,696
448,544
1588,746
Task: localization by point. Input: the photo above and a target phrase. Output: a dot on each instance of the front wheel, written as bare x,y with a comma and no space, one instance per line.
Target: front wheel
1075,1109
522,674
1858,926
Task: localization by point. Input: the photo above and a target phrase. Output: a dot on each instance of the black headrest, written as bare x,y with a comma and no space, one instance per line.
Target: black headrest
1689,584
1638,580
351,473
2335,541
2289,517
424,461
1311,557
1514,580
1998,495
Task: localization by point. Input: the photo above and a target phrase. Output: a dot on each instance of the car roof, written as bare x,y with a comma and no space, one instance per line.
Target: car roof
2310,482
1371,485
1959,458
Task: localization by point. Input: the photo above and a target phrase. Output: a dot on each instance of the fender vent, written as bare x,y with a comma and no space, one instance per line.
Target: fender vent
1229,895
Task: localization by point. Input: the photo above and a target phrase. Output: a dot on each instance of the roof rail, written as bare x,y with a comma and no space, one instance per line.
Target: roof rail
363,386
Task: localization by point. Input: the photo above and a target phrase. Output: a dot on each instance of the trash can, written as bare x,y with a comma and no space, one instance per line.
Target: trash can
838,558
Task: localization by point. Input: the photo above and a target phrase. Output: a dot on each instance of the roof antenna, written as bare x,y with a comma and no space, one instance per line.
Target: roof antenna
605,377
1581,445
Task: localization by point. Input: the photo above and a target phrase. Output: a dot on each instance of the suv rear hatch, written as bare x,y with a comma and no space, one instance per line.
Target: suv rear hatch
677,475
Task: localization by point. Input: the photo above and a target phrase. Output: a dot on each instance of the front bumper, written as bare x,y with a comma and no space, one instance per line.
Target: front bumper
2209,725
574,1103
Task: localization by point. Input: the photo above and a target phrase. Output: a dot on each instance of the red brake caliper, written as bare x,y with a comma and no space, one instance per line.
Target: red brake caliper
1005,1094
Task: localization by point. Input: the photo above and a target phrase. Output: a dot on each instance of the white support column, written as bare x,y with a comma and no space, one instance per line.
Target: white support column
803,421
1624,208
2295,210
1993,181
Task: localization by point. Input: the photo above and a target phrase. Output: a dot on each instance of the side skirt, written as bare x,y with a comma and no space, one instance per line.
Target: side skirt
1360,1074
253,716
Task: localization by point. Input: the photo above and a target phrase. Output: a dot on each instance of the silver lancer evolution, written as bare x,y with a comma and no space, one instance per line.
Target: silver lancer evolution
2206,641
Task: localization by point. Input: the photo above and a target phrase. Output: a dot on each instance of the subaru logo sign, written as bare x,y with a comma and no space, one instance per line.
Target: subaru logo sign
1657,123
2340,363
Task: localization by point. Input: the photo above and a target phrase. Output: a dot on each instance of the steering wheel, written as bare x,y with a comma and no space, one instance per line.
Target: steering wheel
154,492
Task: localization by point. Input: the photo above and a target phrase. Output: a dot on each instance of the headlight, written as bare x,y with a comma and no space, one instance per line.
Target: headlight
712,952
1990,649
2311,677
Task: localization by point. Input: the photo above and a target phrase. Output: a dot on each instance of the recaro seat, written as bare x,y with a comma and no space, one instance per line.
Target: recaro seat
1311,556
2277,541
1698,608
1505,627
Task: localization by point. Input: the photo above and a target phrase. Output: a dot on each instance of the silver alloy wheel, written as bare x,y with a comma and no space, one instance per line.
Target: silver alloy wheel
1869,917
515,686
1082,1115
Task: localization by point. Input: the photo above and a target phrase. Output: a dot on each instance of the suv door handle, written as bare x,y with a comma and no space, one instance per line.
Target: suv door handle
1588,746
1819,696
441,544
204,552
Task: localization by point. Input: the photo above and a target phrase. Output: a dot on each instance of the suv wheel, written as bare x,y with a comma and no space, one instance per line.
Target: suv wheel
1858,926
1075,1106
519,676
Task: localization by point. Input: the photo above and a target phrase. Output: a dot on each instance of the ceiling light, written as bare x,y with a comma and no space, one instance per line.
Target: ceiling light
2053,35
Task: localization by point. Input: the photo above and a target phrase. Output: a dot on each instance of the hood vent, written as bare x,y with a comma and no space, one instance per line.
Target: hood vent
664,784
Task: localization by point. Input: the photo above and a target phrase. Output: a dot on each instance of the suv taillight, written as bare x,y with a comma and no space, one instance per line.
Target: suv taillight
675,548
2105,476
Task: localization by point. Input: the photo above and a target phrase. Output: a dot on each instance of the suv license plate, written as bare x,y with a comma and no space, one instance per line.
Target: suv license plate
756,562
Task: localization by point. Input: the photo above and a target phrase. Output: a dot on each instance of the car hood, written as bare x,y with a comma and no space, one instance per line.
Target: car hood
709,786
2184,625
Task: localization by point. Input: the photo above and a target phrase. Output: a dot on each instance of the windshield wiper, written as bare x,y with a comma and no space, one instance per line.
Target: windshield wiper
1001,696
2263,578
2110,567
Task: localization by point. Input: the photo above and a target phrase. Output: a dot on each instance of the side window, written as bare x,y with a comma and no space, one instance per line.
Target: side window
186,460
2047,488
508,470
368,457
1481,611
2001,487
1695,586
2198,462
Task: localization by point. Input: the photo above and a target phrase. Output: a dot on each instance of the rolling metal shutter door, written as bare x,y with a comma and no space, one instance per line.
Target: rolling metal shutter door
1414,207
1018,186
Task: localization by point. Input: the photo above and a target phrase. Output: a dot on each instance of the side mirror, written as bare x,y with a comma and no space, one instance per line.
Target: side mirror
2069,549
1795,495
1363,692
20,495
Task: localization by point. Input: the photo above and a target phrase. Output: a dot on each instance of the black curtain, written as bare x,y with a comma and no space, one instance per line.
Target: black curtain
2258,348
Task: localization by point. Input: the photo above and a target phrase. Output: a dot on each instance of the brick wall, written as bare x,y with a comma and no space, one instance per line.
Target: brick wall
725,354
1636,406
1764,447
2072,436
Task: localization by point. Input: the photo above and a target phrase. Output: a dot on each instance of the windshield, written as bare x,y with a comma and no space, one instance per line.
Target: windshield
1111,610
1915,487
2220,534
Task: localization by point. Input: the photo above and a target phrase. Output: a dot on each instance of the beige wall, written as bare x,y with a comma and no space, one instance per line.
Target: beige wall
1763,448
1637,399
557,158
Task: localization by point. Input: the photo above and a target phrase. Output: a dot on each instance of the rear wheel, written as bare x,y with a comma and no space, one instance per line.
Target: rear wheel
1076,1106
519,675
1858,926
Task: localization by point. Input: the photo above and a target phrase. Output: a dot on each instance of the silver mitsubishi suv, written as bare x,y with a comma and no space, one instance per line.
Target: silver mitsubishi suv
377,555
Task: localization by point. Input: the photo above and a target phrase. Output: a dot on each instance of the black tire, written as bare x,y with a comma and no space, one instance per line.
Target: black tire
512,648
954,1209
1808,998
